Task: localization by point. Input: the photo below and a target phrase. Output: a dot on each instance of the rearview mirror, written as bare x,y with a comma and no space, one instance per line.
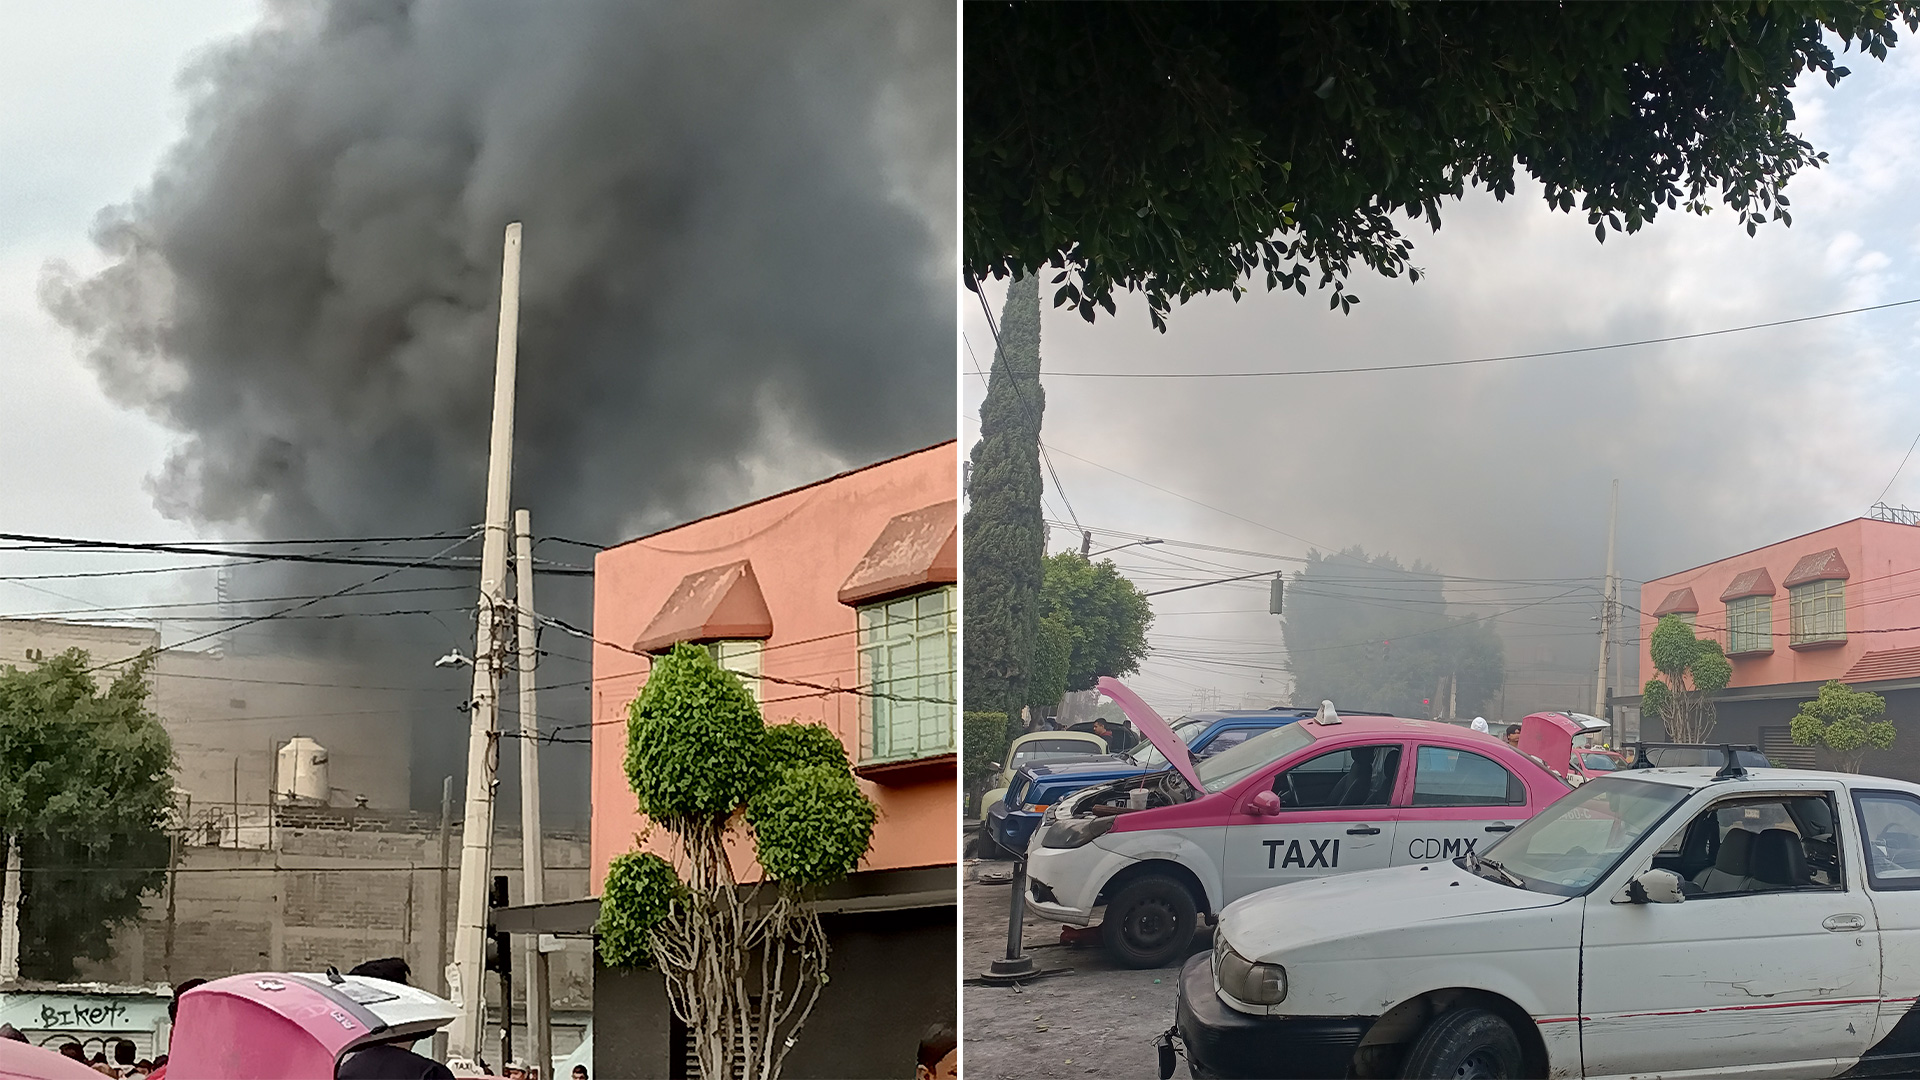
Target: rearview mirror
1264,804
1655,887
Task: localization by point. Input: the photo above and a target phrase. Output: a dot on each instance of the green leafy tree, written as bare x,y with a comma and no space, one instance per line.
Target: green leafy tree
1180,149
86,789
1052,653
1104,616
1689,670
1846,721
1366,633
1006,533
743,966
985,738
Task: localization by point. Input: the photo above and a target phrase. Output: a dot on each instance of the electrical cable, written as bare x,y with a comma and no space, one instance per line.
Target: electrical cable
1481,359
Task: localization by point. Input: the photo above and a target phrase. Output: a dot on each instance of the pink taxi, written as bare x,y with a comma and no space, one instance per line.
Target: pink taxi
1146,857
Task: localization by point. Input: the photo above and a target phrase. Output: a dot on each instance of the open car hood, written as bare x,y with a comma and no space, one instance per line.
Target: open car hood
1157,731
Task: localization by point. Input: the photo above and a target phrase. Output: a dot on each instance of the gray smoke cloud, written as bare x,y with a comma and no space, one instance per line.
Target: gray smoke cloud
1502,471
738,243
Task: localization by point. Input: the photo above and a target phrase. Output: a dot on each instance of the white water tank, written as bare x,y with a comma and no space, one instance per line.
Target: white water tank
302,773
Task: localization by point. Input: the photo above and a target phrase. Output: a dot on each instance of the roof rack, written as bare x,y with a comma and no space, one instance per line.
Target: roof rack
1730,768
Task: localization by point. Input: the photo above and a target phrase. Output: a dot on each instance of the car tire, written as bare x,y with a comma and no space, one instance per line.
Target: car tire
1149,923
1465,1043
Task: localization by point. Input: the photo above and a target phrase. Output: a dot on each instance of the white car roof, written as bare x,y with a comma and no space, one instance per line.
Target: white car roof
1699,776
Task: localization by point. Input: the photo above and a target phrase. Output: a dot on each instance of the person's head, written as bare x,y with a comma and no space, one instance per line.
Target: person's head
8,1031
72,1050
1101,727
939,1054
579,1072
173,1004
1513,735
123,1052
160,1062
516,1070
99,1058
391,968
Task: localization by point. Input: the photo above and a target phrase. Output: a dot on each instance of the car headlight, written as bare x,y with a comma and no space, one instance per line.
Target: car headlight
1038,808
1075,832
1244,980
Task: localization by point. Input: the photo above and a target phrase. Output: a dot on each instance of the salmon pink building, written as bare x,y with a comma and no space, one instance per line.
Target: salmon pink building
1840,603
835,603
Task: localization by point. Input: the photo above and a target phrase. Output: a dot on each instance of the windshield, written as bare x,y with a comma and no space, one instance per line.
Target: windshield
1599,762
1581,837
1049,749
1148,756
1229,767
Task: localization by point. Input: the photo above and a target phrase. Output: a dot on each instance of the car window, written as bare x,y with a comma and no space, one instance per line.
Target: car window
1890,822
1357,776
1225,769
1446,776
1584,834
1148,756
1757,844
1226,740
1599,762
1048,749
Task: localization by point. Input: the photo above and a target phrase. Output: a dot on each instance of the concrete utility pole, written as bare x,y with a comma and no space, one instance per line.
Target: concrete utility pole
466,1037
10,920
532,858
1607,605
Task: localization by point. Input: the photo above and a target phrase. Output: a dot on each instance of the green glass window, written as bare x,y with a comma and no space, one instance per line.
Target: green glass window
1818,611
1750,625
907,704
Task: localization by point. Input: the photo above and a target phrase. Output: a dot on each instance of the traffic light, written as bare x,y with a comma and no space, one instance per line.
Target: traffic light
1276,594
499,945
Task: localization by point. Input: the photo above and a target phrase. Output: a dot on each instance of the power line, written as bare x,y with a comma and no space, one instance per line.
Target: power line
1000,350
63,543
1477,360
1896,472
288,611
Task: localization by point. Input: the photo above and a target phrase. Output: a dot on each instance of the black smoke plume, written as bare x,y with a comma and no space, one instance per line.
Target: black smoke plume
736,270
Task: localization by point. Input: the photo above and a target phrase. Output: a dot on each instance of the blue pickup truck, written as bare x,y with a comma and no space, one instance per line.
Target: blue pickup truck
1011,821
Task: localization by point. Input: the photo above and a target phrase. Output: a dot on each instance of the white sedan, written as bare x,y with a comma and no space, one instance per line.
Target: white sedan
1672,922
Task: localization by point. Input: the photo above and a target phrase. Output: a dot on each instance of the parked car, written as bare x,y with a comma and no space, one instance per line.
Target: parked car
1011,821
1655,921
1145,857
1040,746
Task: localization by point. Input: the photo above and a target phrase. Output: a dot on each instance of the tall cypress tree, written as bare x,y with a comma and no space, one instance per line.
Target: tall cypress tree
1005,534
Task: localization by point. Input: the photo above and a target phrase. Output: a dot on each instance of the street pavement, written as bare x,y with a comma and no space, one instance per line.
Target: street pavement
1100,1020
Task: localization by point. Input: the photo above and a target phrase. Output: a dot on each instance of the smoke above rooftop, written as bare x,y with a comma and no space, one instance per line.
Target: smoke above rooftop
738,249
737,218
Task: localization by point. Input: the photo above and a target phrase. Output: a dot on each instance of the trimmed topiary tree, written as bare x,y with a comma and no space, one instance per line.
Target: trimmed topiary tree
1689,670
743,966
1846,721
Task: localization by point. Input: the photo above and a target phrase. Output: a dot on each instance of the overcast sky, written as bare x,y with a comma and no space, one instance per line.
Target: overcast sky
1501,471
87,106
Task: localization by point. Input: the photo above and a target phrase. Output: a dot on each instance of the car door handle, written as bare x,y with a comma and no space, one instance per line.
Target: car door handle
1364,830
1845,924
1499,827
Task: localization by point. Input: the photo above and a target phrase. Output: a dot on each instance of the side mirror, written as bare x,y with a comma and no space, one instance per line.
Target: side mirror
995,765
1655,887
1264,804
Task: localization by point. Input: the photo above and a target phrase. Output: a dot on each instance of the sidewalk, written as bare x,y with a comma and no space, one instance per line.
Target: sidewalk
1100,1020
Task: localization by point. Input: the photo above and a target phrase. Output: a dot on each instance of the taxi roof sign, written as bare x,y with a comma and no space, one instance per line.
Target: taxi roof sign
1327,715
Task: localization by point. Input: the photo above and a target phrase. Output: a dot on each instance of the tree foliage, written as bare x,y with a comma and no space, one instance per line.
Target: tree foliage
743,969
1689,670
1368,634
1006,533
1180,149
1052,655
1847,721
86,783
1104,616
